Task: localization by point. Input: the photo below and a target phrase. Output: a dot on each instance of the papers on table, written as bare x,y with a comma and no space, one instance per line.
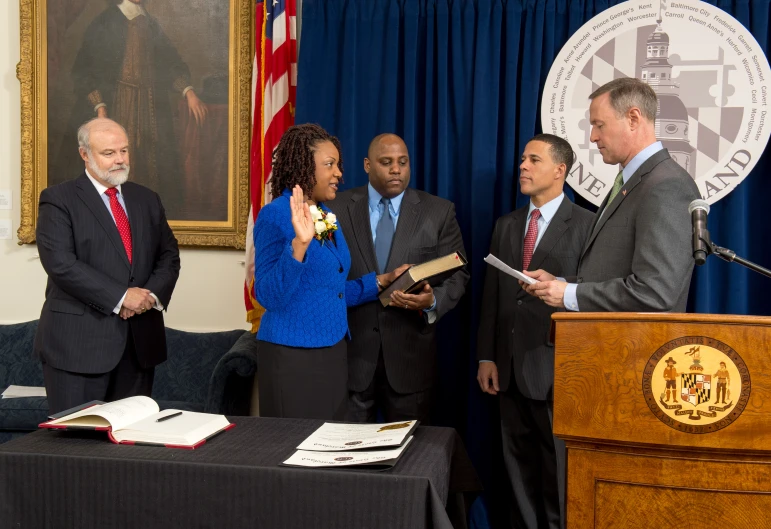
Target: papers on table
334,436
384,458
346,445
506,269
17,392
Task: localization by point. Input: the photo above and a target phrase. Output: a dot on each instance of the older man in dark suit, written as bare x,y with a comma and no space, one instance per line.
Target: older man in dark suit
516,359
112,263
392,352
638,255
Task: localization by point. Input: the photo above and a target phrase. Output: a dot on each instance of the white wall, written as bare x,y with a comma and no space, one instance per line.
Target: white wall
209,294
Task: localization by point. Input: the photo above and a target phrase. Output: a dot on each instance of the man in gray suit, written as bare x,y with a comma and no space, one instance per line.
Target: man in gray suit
638,256
392,352
112,263
516,359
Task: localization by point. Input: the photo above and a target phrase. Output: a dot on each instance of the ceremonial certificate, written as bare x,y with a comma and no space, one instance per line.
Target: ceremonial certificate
332,437
381,458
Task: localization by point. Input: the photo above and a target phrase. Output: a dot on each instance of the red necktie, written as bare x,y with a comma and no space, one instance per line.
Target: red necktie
121,220
530,238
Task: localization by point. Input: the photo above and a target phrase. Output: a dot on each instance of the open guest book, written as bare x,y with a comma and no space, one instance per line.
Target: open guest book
138,420
433,272
354,445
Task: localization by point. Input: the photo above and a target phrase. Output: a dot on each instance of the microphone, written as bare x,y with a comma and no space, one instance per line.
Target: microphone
699,209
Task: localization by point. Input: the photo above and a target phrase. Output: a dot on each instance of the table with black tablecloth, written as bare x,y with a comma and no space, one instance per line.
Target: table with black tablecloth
80,479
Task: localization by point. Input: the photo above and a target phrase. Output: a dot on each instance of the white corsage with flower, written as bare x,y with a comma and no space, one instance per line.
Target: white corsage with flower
323,224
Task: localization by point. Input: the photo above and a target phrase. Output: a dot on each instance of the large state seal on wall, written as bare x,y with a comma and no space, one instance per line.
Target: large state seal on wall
708,71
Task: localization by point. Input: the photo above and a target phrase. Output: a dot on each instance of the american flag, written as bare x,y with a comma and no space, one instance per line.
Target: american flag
274,85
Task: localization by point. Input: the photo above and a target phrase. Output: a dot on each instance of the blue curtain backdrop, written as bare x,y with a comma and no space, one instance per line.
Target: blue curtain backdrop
460,81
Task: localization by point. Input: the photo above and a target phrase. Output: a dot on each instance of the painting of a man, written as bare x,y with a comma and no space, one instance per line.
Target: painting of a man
130,86
127,68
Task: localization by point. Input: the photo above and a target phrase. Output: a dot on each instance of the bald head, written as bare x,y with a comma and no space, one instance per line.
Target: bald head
97,125
388,165
103,145
383,139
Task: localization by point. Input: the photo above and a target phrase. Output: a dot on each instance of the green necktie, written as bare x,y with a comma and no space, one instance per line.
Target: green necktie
618,183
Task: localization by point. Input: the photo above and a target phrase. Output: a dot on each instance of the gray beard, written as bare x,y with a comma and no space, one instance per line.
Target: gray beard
114,179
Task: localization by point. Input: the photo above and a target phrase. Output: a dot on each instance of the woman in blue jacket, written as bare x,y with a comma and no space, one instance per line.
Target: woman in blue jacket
301,266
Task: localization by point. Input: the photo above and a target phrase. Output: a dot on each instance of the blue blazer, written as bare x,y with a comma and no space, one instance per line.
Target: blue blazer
305,303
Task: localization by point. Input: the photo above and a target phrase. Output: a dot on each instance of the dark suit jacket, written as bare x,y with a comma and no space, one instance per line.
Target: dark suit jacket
426,229
89,272
638,257
514,326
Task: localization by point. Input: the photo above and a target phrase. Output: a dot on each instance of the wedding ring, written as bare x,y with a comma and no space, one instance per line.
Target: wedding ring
405,306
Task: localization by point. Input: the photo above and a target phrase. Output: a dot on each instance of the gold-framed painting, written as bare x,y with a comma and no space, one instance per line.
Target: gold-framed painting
176,75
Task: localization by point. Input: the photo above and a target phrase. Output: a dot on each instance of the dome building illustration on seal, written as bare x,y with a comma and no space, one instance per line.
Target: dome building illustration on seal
671,115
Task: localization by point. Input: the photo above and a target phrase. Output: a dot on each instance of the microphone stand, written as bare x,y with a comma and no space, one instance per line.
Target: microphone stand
729,255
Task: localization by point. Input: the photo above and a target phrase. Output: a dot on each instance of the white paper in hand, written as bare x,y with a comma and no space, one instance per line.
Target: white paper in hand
506,269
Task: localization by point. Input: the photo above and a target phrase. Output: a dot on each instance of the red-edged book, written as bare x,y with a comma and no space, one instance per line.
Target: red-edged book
138,420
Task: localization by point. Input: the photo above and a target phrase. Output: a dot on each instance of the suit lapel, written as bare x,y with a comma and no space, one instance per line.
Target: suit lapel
89,195
358,209
136,220
556,228
600,209
626,191
611,208
517,233
409,214
516,243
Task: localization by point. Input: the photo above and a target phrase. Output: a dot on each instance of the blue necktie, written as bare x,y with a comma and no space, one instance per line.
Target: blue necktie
384,235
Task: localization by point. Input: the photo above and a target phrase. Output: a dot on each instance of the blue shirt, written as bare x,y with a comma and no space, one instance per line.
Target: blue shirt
100,188
569,298
632,167
376,209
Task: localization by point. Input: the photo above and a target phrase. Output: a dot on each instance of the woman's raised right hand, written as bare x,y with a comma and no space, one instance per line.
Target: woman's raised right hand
302,222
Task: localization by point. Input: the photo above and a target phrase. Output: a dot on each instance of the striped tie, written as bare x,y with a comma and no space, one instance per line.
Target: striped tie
530,237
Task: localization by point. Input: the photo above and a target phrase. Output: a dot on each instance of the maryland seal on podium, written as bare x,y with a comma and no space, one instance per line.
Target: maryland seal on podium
696,384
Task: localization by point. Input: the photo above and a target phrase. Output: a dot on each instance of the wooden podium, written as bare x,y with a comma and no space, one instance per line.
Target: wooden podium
637,459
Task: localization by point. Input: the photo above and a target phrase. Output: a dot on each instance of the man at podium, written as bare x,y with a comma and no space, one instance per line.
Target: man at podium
638,255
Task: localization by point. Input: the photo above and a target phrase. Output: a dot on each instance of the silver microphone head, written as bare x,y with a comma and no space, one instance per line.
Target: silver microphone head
698,204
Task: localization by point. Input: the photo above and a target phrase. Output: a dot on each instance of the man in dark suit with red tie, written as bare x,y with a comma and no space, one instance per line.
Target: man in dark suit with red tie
112,263
516,358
